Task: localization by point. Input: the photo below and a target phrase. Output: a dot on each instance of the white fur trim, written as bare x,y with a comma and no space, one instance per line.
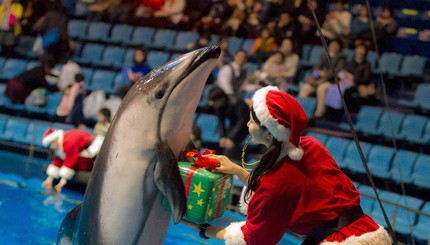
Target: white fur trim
279,131
243,206
234,235
94,148
380,237
66,173
47,140
53,171
295,153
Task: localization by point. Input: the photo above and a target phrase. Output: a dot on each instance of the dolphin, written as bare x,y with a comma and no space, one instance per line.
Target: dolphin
137,163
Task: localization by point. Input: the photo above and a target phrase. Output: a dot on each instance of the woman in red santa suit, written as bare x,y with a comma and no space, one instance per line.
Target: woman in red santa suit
297,185
70,155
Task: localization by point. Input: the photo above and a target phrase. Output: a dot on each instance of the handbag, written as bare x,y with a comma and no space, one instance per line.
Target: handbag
51,38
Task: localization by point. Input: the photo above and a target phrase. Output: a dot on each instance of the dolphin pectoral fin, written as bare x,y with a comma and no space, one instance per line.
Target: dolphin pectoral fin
169,182
67,228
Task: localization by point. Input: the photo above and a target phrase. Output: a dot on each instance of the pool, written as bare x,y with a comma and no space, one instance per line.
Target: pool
29,215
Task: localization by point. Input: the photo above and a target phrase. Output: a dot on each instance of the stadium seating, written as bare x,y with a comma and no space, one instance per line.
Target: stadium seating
402,165
163,39
141,36
14,128
91,54
209,126
352,160
421,229
320,137
77,29
183,40
112,57
379,161
11,68
368,119
97,32
120,33
421,172
337,147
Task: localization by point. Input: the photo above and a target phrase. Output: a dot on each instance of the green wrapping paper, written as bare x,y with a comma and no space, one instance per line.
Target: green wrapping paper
207,193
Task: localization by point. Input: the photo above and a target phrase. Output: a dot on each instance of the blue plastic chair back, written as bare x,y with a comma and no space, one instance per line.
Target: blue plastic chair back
120,33
404,160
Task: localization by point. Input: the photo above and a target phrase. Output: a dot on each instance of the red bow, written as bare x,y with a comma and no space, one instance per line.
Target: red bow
201,161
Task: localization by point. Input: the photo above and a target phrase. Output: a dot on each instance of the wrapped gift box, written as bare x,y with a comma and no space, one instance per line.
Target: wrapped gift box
207,193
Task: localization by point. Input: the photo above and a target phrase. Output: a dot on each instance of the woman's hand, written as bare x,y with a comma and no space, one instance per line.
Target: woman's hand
226,166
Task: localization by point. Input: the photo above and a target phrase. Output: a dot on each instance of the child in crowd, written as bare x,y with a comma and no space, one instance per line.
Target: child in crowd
100,130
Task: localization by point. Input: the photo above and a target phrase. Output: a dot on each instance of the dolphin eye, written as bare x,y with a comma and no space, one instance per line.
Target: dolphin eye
159,94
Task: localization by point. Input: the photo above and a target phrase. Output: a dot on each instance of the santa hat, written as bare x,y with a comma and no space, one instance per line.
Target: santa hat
51,135
282,115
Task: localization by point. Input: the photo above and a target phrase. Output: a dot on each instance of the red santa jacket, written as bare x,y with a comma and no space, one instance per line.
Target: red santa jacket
301,196
69,157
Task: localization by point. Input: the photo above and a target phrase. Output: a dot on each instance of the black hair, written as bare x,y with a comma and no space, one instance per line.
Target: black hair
79,77
106,113
268,161
196,131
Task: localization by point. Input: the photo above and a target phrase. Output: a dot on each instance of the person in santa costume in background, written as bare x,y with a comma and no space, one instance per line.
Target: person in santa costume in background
71,154
296,186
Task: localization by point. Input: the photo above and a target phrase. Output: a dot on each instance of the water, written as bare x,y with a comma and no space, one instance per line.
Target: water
29,215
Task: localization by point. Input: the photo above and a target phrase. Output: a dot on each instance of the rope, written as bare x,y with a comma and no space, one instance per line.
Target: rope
351,125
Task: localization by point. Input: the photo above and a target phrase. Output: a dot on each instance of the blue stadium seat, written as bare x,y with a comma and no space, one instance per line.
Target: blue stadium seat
25,47
2,61
352,160
376,213
141,36
412,128
412,65
314,56
112,57
368,118
91,54
367,198
421,97
421,172
214,39
251,68
372,58
63,126
209,126
421,229
156,58
349,53
183,40
88,74
379,161
120,33
234,44
320,137
34,133
102,80
11,68
389,124
52,103
31,64
405,220
77,29
3,120
389,63
247,44
404,160
97,31
163,39
306,50
337,147
128,57
14,128
204,98
118,82
308,105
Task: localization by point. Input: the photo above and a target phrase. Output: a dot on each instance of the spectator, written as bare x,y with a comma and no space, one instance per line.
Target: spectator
360,28
170,14
68,155
139,68
307,24
291,60
10,24
54,24
263,46
77,94
19,87
364,91
286,27
100,130
253,19
296,186
385,25
202,41
218,13
67,74
237,113
272,72
103,10
234,27
70,95
337,24
231,76
322,74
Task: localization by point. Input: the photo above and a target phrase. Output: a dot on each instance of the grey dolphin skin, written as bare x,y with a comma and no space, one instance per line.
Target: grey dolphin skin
137,164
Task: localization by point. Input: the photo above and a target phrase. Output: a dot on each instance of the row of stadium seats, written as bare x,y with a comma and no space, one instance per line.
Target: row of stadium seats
375,122
394,64
405,166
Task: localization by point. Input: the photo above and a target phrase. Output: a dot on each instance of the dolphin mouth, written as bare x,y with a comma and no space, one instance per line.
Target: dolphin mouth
210,52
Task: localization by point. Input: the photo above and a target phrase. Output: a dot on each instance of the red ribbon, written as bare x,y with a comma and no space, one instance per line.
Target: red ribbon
201,161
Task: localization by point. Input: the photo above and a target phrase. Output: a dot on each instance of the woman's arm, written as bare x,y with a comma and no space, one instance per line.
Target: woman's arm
228,167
